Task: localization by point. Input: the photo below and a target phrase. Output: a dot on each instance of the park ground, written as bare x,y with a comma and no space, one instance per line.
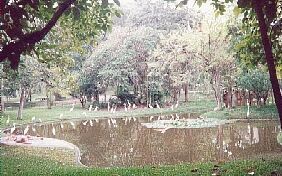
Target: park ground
38,161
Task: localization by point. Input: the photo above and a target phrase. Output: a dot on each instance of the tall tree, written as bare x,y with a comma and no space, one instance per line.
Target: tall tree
267,12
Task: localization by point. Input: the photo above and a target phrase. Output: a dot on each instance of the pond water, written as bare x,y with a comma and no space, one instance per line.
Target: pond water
134,142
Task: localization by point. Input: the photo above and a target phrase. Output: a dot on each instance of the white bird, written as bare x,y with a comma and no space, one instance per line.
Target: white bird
72,124
71,109
134,119
151,118
171,107
62,125
158,106
26,129
129,105
248,112
53,130
150,106
33,129
91,123
33,119
84,123
177,116
90,108
97,120
8,120
96,108
176,105
134,106
40,120
61,115
125,108
109,106
13,129
159,117
172,117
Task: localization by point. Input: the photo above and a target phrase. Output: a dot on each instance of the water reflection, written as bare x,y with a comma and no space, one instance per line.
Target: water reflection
126,142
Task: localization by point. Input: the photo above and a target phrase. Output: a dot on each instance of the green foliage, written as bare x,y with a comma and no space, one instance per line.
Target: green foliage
68,23
256,81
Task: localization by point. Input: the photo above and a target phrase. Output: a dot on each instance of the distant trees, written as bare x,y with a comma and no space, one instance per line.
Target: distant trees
255,81
123,58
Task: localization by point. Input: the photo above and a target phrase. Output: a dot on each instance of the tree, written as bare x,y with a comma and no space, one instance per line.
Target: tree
267,12
25,24
256,81
175,64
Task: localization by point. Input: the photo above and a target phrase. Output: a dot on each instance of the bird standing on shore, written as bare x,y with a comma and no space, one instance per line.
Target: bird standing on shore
176,105
13,129
8,120
71,109
125,108
26,129
90,108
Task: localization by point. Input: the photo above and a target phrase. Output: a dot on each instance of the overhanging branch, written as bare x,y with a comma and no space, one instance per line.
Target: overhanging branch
13,50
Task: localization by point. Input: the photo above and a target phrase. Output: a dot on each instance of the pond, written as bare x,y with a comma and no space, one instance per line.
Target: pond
119,142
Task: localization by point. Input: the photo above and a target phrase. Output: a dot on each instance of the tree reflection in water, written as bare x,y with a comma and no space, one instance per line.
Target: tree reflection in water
126,142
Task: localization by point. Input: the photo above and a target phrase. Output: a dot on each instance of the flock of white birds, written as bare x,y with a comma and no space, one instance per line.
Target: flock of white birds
111,121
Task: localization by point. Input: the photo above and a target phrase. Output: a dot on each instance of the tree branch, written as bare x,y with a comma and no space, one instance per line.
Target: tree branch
14,49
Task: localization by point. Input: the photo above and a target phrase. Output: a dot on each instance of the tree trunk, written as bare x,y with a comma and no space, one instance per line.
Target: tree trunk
229,97
217,90
22,101
186,92
269,57
2,108
29,95
49,99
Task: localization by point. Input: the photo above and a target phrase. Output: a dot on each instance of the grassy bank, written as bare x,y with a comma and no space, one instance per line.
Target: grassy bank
264,112
22,161
47,115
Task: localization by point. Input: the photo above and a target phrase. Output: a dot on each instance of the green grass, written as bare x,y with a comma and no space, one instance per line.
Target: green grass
22,162
50,115
264,112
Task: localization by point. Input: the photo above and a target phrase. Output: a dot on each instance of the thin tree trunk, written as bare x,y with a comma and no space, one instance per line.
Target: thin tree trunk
269,57
217,91
229,97
22,101
186,92
49,99
2,108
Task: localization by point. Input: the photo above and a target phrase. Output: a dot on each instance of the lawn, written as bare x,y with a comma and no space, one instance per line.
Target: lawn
24,161
50,115
264,112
